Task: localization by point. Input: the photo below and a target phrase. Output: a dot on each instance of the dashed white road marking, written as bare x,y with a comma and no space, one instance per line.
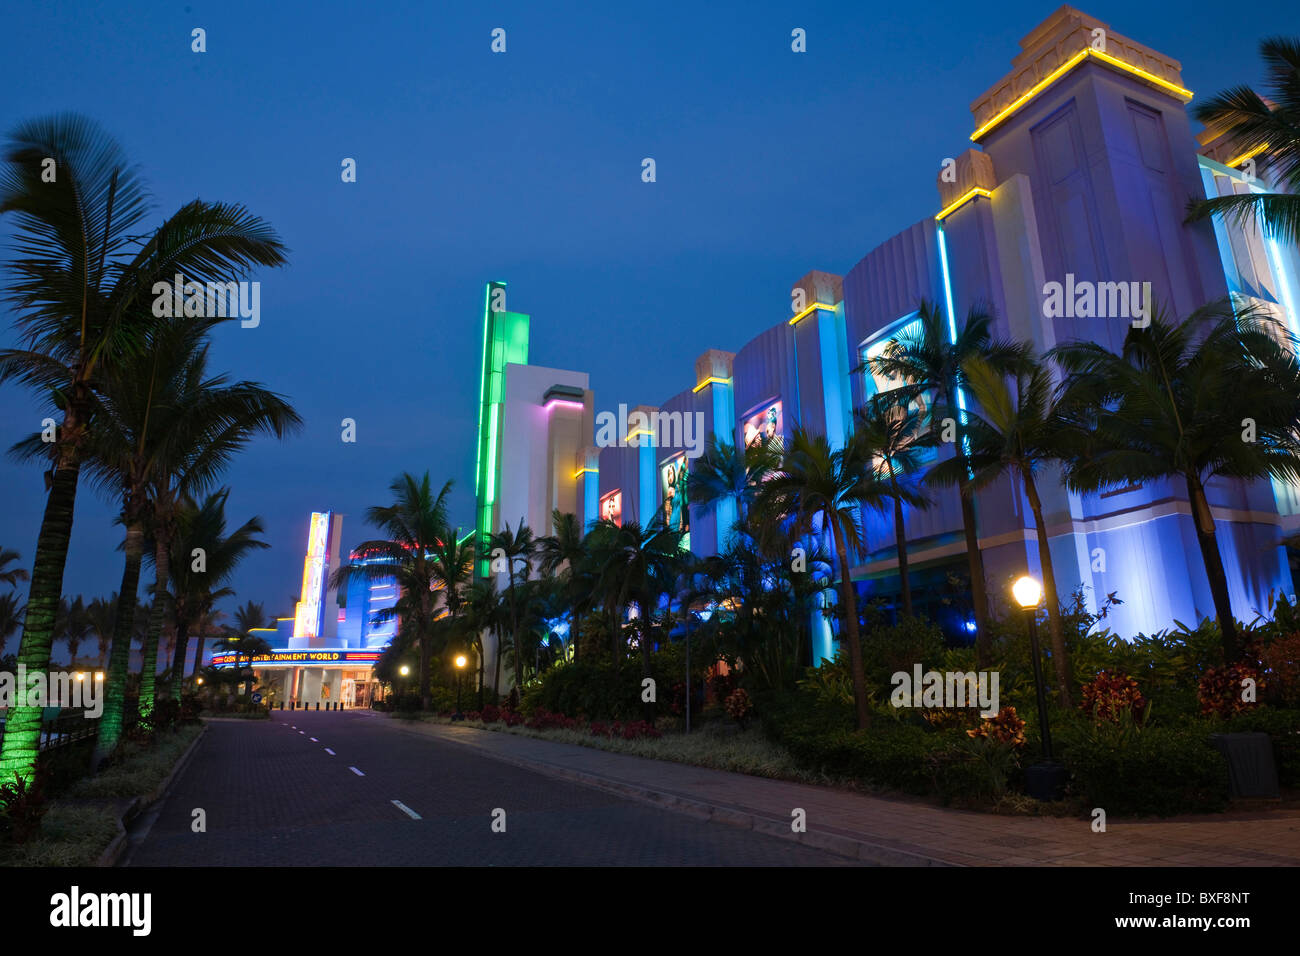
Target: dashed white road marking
330,752
356,771
407,810
313,740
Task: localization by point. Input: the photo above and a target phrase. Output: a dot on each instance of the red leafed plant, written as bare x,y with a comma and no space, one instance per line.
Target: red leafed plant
1222,691
1281,660
1108,695
1006,727
739,706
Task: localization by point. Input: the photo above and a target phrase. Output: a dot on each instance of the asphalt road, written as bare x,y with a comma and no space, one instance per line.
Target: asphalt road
341,789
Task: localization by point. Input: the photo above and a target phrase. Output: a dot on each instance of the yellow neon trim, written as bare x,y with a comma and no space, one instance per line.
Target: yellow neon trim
977,191
585,471
711,380
639,431
808,311
1249,154
1069,65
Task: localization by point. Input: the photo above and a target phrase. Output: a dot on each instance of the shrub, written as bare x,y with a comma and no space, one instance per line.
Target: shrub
490,714
1107,695
1005,728
739,706
545,720
22,804
1220,689
1281,660
1152,770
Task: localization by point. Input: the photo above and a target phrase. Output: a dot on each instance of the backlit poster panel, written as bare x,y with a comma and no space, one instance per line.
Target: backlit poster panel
672,486
611,507
766,424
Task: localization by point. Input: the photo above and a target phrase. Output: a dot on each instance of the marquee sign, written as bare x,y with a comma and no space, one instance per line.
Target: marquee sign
299,657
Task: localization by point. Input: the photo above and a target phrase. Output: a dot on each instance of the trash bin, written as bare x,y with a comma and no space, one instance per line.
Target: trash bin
1252,771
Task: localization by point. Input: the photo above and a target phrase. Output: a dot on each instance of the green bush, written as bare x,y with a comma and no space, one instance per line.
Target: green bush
1154,770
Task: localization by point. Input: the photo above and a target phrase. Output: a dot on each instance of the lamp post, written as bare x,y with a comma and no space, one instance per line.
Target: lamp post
460,670
1044,780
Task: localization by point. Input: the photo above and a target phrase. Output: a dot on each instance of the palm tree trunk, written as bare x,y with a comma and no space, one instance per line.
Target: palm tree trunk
1208,540
1060,658
198,652
178,669
496,671
514,633
901,538
974,558
149,668
22,738
850,604
119,657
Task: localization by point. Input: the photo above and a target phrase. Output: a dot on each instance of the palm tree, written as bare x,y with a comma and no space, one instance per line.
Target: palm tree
414,524
81,284
630,558
243,646
165,429
1268,129
452,572
75,628
485,613
1018,429
562,553
8,575
897,435
819,488
250,617
1215,395
194,591
11,618
929,362
725,473
100,614
515,547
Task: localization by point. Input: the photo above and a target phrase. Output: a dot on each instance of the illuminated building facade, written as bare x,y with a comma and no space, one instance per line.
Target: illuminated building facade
326,652
1083,164
533,424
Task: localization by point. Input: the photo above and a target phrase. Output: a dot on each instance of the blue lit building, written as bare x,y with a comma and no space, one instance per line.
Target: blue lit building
1082,166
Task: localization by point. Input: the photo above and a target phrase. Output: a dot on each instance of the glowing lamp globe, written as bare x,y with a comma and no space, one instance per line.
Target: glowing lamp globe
460,660
1027,592
403,670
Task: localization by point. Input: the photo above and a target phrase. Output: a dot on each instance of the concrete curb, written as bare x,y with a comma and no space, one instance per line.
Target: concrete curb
113,852
831,841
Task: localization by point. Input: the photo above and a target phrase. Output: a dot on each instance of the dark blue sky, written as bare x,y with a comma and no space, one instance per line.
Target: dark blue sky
525,167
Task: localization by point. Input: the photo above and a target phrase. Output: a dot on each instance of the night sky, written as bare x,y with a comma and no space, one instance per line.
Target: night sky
523,166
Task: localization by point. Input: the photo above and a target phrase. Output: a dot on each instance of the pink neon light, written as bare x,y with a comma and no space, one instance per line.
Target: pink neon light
565,402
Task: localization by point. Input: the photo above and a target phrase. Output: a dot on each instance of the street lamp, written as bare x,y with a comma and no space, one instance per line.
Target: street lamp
460,670
1044,780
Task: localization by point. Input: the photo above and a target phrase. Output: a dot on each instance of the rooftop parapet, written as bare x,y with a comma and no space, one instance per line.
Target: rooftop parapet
1056,46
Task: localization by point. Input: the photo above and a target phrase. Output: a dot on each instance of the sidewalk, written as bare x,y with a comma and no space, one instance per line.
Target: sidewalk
895,832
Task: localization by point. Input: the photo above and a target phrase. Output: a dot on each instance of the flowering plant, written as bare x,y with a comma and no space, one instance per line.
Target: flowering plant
1005,727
